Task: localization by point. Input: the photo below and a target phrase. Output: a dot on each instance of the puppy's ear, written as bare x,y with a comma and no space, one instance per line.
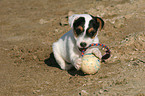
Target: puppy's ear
72,19
100,21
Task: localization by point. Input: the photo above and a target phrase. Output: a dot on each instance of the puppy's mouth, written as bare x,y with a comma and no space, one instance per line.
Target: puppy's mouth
83,49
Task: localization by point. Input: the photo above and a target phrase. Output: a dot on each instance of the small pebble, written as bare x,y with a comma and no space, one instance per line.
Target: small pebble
84,93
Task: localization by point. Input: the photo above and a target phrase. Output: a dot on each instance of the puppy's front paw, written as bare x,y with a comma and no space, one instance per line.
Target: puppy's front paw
78,63
97,53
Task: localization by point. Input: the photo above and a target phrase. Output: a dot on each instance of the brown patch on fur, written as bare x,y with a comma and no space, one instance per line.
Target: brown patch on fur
100,27
75,34
94,36
79,27
91,29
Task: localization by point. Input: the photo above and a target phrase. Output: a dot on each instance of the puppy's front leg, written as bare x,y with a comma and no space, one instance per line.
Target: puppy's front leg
95,51
76,61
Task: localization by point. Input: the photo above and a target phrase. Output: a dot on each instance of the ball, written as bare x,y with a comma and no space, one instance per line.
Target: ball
90,63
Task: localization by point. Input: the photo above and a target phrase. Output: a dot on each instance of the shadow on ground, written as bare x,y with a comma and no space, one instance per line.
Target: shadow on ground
52,63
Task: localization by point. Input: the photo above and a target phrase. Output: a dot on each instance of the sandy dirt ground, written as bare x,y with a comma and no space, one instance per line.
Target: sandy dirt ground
29,27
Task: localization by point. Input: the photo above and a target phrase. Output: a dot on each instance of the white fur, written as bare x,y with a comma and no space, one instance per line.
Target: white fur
66,50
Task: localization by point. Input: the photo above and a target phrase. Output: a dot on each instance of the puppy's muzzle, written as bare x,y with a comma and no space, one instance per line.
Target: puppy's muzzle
83,46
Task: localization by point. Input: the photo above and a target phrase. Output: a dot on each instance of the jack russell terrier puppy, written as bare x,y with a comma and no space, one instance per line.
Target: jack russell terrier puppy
67,50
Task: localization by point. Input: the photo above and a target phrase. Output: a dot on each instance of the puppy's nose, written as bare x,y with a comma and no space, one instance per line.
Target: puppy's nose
83,44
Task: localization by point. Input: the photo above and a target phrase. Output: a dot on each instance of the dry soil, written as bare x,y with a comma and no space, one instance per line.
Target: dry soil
28,29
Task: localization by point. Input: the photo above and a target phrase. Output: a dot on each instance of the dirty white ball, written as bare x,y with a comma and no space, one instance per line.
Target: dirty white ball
90,64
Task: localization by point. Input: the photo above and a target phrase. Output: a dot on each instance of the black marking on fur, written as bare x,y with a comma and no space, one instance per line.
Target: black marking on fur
92,24
95,18
79,22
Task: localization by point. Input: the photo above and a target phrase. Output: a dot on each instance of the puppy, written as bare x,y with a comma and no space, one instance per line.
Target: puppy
67,50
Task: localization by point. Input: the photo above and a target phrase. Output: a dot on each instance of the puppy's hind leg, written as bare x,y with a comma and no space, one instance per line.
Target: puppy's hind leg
60,60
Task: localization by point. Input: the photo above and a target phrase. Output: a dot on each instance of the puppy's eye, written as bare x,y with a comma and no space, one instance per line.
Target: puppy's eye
78,31
91,34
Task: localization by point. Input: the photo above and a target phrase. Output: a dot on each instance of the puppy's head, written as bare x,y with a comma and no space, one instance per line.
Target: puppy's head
85,28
